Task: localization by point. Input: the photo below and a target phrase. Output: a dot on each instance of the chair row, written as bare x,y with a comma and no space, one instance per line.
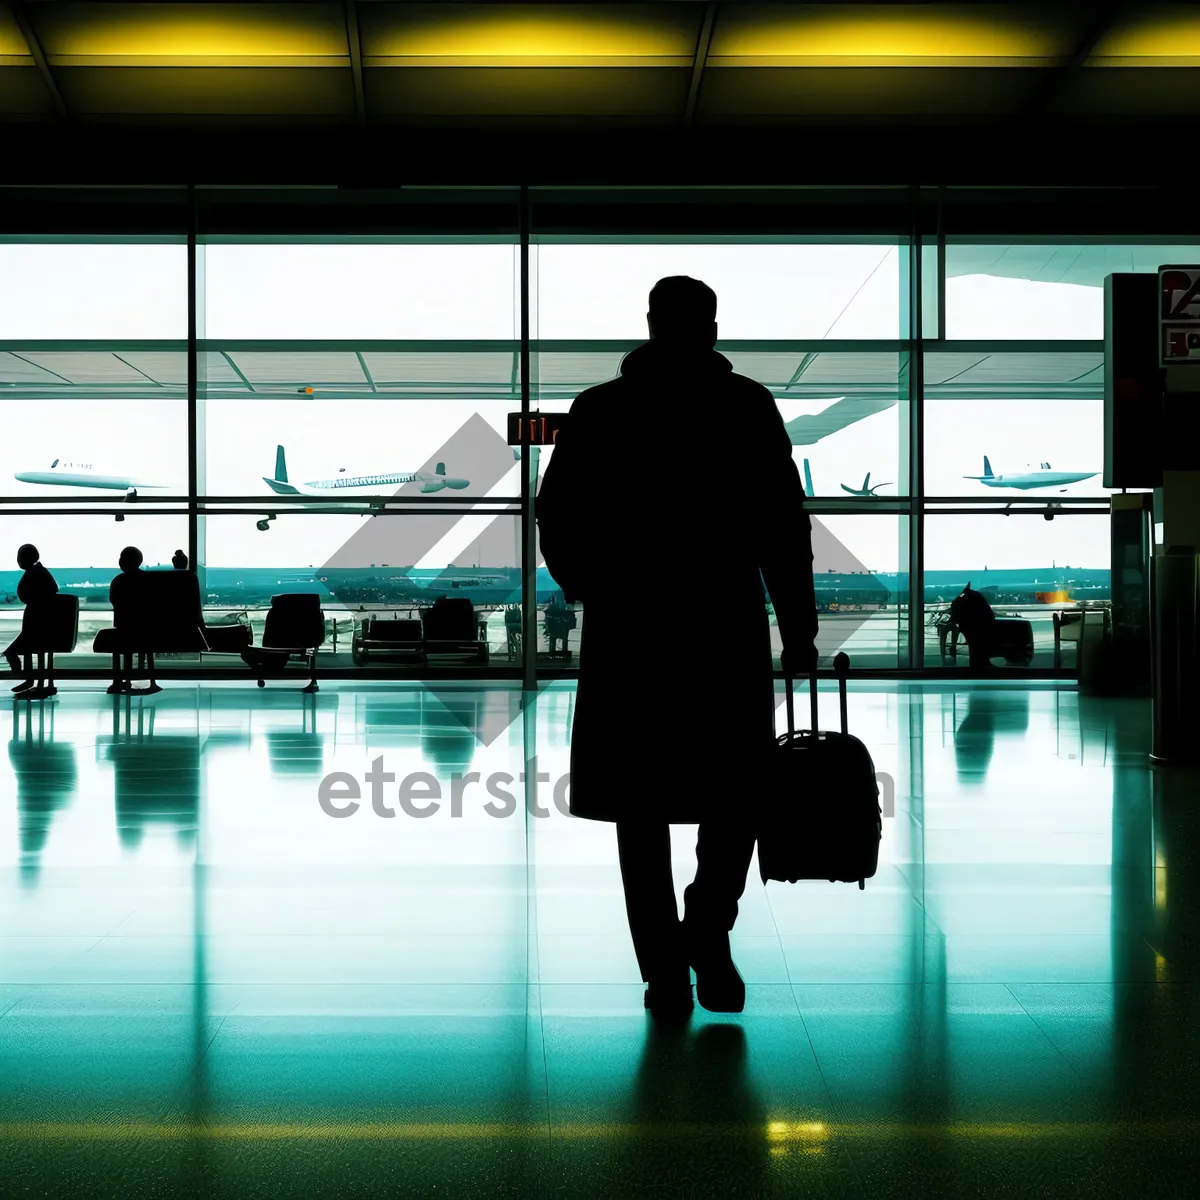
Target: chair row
164,615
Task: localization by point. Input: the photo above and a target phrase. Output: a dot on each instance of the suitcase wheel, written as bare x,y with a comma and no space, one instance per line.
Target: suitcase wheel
862,885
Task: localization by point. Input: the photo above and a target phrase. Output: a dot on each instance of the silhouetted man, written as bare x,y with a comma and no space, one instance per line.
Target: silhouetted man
681,472
34,589
179,560
127,595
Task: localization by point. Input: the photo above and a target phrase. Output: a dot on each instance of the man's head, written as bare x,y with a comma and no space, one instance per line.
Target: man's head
683,311
131,559
27,556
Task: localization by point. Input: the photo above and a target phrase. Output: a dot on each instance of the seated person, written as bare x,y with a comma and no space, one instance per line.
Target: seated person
179,560
126,595
989,636
34,589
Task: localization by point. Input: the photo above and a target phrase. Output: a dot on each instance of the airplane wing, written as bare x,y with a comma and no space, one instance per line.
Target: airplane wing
806,430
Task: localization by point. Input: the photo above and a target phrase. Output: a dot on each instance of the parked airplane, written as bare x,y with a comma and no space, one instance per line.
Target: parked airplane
344,484
1044,476
866,490
62,473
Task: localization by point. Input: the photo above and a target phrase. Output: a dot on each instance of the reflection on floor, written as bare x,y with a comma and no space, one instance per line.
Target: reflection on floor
210,986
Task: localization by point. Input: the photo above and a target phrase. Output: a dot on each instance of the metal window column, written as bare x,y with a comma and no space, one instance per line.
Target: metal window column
528,475
193,539
916,457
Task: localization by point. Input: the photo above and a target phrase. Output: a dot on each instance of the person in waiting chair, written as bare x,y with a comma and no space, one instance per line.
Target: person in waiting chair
179,560
126,595
34,590
720,699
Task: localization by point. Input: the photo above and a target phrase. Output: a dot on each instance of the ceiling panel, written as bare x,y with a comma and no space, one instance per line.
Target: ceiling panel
854,91
23,92
211,91
189,34
546,92
529,34
1151,35
807,35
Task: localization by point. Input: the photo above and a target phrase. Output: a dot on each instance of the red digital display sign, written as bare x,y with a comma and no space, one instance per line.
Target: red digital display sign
534,429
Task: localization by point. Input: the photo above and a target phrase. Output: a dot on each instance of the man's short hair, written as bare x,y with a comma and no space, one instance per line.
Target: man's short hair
682,307
131,555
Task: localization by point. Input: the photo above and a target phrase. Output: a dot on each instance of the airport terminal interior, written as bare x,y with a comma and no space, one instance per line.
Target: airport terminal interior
296,299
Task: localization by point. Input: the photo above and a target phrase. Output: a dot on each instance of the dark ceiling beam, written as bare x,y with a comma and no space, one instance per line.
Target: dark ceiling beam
354,40
699,62
1101,18
35,49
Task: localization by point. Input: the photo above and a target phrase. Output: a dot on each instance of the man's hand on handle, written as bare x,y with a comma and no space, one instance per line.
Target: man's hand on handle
798,660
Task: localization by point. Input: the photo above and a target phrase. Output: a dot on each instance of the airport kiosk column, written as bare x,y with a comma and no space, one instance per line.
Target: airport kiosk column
1176,609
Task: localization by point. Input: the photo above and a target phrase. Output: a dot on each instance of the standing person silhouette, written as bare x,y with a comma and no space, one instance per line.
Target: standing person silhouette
34,589
696,750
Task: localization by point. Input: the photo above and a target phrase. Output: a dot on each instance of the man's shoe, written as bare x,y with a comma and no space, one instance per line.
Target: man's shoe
118,689
24,687
719,986
670,999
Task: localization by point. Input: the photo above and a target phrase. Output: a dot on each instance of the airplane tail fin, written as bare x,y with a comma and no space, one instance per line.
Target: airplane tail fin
280,465
808,487
867,483
987,468
440,469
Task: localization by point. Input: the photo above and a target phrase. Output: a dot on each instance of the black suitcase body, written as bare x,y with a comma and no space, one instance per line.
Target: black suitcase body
822,818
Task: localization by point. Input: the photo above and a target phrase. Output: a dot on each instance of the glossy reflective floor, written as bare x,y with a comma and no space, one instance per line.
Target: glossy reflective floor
209,986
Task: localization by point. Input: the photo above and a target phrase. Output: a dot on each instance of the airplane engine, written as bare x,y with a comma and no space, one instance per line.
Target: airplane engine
457,484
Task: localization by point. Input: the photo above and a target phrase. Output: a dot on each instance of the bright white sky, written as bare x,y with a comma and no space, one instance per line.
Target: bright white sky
470,292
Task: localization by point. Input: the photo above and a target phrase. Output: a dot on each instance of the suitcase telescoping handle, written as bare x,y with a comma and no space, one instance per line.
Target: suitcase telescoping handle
841,665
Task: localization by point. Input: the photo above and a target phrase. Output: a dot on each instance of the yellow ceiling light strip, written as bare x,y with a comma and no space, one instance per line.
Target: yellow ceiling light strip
516,35
192,34
1153,36
13,50
889,35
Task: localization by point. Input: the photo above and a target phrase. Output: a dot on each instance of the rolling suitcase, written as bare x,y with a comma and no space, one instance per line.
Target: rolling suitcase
822,818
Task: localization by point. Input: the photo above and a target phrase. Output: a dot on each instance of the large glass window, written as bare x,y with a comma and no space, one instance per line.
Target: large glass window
353,396
93,405
818,324
775,290
1030,570
998,290
337,380
93,290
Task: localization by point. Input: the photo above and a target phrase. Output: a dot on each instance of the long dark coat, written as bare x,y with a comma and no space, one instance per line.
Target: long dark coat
669,499
34,590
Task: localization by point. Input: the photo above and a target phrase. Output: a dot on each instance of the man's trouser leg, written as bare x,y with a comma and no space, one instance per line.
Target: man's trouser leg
644,848
723,852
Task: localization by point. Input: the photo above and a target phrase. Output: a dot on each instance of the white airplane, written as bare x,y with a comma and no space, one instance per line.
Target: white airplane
62,473
345,484
1044,476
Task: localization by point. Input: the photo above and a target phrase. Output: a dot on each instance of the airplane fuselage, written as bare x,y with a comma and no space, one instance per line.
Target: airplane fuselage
365,485
1028,480
82,477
